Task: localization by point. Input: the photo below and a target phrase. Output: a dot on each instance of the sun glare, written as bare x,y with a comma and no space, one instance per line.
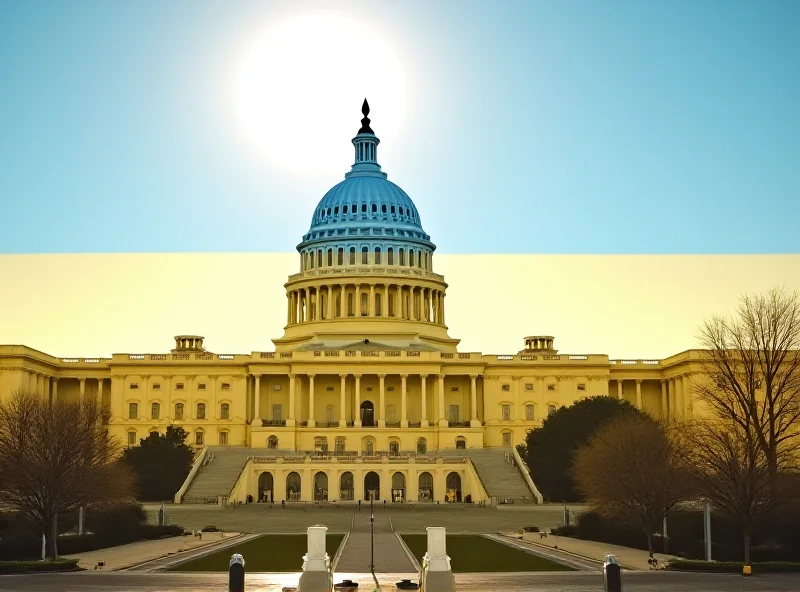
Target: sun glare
301,84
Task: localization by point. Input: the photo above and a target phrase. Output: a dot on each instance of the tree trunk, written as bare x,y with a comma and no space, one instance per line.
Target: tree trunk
746,548
649,539
49,528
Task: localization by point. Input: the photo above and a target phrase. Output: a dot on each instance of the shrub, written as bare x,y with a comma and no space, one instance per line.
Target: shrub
61,564
733,566
530,529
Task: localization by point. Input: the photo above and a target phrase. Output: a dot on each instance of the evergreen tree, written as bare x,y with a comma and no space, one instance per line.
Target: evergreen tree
161,463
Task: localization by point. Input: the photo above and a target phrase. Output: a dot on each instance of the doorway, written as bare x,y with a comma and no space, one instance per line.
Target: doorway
367,414
372,486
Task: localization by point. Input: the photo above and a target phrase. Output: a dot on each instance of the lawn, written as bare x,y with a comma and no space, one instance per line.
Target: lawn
267,553
472,553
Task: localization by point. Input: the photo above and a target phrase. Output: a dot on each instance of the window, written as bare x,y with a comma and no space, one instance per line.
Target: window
330,413
156,386
226,386
364,256
390,256
551,409
411,258
505,387
272,442
198,438
506,412
276,387
131,438
506,438
155,411
377,255
133,410
369,447
394,448
178,410
277,412
353,255
223,438
529,412
402,257
453,413
179,386
338,445
330,257
551,387
461,443
201,386
528,387
201,411
329,389
389,389
319,257
581,387
224,411
340,255
133,386
422,446
153,433
454,389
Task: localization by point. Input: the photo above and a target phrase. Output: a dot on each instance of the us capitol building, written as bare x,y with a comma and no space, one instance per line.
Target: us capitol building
366,393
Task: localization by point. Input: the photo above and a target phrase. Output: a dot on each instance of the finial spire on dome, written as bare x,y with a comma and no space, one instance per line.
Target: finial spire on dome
365,128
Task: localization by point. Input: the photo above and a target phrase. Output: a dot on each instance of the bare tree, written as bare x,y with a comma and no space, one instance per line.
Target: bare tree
633,470
56,457
753,370
733,474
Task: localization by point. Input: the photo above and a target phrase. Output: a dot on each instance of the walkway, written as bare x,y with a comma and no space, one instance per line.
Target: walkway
390,556
627,557
123,556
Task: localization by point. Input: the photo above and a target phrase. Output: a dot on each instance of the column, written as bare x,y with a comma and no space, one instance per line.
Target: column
82,390
436,306
100,391
289,308
679,404
412,309
619,389
167,395
33,383
639,394
290,420
371,307
342,402
473,401
442,419
403,401
382,402
357,402
343,306
398,303
357,303
443,295
385,305
686,388
424,385
519,408
318,304
257,402
305,306
311,421
664,410
54,396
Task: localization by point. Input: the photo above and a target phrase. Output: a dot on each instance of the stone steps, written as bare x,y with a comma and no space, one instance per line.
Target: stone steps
500,478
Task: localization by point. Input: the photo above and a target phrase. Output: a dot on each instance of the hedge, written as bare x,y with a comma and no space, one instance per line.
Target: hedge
60,564
732,566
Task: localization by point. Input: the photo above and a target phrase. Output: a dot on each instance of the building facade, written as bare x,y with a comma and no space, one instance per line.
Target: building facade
365,369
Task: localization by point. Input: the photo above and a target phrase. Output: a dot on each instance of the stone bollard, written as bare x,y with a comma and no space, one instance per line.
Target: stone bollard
435,572
612,575
236,574
316,576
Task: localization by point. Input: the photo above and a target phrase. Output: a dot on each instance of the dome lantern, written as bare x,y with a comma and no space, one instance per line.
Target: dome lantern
366,146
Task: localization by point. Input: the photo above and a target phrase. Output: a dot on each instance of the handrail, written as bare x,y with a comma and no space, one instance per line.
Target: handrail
186,482
523,468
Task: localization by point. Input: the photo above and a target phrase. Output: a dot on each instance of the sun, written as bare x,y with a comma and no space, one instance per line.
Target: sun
300,87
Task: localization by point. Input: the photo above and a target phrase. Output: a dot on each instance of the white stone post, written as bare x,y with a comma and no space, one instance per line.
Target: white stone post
316,576
437,574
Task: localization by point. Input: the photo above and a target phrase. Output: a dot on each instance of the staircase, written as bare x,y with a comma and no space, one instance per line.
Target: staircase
218,476
500,478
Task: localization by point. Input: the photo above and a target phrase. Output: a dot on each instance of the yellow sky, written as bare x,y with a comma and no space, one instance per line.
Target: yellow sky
626,306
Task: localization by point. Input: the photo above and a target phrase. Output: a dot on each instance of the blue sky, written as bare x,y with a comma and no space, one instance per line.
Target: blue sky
530,127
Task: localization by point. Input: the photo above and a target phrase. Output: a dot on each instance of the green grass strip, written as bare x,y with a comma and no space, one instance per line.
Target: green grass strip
470,553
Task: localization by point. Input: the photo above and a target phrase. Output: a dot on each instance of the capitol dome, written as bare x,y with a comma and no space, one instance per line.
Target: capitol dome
366,208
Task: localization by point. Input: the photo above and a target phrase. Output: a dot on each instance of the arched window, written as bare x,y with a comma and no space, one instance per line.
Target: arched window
374,208
223,438
352,255
425,487
346,492
265,485
293,487
319,257
364,208
364,255
224,411
383,209
422,446
369,446
133,410
321,487
461,443
330,257
453,485
336,211
378,303
321,445
178,410
201,411
398,487
153,433
529,412
402,257
198,438
344,210
394,448
351,305
272,442
377,255
155,411
506,438
364,305
131,437
551,409
390,256
340,256
392,210
310,259
411,258
339,445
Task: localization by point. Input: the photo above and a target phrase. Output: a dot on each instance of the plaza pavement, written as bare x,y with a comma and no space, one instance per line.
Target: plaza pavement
124,556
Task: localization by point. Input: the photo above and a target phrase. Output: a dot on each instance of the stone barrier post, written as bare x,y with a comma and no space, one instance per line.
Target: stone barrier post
316,576
435,572
236,574
612,575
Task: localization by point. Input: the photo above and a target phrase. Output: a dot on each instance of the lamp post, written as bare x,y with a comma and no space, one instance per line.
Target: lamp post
371,533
